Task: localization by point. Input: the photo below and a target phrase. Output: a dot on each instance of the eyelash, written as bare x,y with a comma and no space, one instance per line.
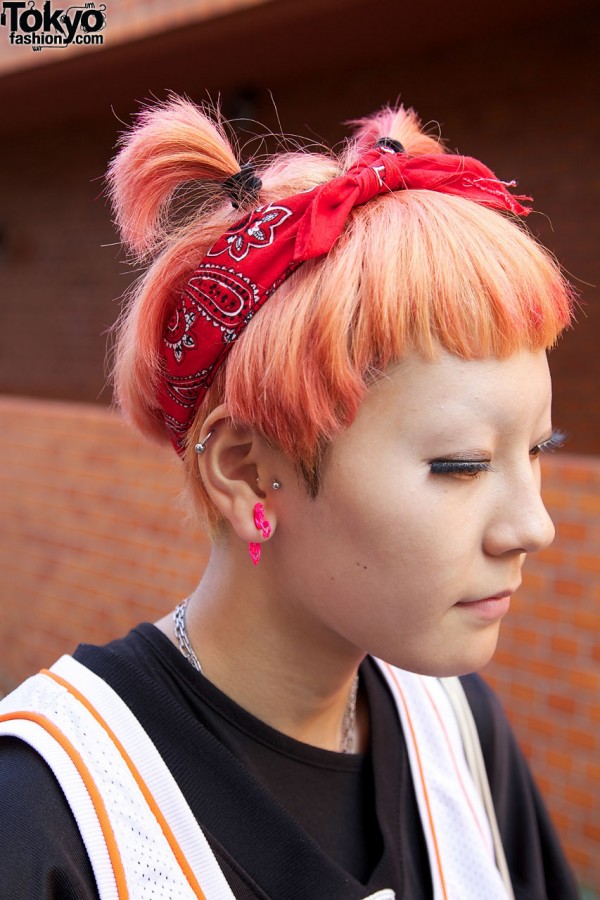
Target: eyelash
556,440
474,468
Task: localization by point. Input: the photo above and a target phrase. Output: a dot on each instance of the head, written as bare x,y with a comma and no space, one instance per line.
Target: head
414,271
419,285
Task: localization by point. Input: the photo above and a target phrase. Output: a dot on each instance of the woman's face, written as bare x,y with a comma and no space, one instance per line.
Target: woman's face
430,502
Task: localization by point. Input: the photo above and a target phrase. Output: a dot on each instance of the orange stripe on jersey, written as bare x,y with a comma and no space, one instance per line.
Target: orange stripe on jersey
453,758
421,773
90,785
170,837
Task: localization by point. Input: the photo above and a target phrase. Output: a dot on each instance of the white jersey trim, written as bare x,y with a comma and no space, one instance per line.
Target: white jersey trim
76,793
155,774
452,813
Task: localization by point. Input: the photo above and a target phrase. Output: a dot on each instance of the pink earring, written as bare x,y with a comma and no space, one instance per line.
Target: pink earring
264,526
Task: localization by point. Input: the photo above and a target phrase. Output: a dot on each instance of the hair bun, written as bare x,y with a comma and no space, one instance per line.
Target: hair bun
169,145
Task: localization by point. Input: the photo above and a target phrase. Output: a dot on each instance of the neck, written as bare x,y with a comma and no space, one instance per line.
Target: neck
274,662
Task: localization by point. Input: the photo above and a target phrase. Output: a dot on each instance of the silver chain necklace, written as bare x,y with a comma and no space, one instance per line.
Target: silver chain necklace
181,633
348,742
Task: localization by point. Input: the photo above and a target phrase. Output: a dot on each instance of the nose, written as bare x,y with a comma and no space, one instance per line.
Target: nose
520,522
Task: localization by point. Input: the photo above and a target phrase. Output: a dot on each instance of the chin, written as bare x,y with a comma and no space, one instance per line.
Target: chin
470,655
475,659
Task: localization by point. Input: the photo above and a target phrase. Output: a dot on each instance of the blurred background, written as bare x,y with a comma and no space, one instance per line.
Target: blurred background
92,534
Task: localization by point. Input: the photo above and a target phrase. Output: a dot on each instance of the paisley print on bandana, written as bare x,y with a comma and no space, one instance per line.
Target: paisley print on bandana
255,232
184,390
177,334
222,295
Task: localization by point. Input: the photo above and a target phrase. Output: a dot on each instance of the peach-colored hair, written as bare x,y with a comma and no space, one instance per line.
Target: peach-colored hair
413,270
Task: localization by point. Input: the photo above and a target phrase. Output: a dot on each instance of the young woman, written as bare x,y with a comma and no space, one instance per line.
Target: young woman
349,355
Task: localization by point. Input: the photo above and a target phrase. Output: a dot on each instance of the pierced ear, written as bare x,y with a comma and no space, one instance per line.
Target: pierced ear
229,468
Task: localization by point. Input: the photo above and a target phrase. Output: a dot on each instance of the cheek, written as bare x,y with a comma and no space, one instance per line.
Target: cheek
406,524
423,549
379,540
369,533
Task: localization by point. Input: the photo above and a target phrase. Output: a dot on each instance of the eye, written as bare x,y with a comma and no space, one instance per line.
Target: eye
465,468
556,440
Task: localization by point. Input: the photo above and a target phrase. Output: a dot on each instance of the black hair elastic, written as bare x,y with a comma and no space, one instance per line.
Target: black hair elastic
242,187
390,144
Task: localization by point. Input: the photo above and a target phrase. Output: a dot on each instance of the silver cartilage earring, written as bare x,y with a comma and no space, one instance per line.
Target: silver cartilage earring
276,485
200,447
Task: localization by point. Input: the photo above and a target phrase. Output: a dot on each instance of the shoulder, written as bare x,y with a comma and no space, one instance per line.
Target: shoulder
41,851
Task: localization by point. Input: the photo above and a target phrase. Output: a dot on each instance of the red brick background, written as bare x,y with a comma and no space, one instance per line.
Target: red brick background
91,534
92,540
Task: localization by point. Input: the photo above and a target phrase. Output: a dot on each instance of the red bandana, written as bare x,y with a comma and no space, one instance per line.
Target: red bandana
256,255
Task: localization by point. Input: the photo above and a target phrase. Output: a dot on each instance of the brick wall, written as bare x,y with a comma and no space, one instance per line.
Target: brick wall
91,535
92,540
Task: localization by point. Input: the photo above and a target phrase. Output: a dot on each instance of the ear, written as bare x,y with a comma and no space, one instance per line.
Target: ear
234,468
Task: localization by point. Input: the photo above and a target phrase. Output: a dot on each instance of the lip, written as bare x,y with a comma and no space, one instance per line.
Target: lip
488,608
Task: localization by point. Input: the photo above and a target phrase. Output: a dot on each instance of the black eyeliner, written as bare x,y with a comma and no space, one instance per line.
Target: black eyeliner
456,466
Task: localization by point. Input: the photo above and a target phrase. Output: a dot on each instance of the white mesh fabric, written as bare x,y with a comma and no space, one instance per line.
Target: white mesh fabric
74,788
154,773
454,821
151,870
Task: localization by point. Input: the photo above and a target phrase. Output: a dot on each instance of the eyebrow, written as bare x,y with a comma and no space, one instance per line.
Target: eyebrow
474,455
478,454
